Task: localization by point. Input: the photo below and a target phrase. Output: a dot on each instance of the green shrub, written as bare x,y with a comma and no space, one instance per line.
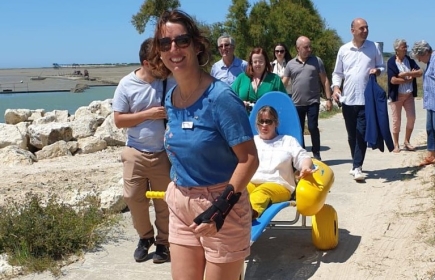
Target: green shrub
38,235
327,114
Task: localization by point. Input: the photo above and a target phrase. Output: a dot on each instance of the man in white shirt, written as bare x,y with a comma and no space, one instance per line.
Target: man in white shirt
356,60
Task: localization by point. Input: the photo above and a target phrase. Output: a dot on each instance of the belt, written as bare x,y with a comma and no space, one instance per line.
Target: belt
146,153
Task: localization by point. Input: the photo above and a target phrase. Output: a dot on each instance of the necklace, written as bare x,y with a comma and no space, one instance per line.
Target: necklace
190,95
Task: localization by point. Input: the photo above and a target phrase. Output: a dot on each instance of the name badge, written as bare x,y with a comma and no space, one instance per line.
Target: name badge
187,125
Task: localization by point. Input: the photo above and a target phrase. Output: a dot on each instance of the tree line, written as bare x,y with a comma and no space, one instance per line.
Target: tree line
263,24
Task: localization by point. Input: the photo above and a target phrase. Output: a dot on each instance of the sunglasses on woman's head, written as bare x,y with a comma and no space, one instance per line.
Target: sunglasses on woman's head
182,41
279,51
265,121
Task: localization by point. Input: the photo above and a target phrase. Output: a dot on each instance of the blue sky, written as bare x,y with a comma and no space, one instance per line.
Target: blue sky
39,33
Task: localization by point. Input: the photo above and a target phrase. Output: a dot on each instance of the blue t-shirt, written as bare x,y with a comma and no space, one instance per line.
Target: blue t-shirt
202,155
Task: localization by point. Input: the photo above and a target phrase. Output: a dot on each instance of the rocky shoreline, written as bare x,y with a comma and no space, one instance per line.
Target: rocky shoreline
42,142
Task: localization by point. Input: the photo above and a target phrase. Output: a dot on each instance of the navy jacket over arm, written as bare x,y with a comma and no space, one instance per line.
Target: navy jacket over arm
393,71
378,126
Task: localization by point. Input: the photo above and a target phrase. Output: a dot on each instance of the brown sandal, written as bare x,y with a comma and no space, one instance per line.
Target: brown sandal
409,147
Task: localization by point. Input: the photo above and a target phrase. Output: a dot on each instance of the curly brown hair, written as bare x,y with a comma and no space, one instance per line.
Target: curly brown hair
199,40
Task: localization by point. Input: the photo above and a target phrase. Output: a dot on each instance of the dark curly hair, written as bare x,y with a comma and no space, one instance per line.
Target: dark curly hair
145,49
200,41
287,54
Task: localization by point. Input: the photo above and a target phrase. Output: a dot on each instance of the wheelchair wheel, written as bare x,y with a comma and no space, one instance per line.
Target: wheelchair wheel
325,228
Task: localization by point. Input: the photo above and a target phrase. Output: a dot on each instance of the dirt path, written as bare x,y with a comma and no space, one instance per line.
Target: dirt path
385,224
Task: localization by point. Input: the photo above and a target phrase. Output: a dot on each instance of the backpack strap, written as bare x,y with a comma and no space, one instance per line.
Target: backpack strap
165,83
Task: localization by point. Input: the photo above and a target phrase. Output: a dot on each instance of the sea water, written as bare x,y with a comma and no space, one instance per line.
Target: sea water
50,101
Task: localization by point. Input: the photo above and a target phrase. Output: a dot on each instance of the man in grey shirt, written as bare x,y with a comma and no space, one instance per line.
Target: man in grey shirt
307,75
137,106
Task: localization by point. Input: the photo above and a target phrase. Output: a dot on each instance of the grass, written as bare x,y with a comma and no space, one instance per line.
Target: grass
383,82
40,236
328,114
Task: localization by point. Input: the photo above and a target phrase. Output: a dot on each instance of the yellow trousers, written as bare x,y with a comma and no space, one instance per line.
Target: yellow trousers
262,195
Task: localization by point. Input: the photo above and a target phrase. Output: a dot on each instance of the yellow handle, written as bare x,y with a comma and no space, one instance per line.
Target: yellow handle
154,194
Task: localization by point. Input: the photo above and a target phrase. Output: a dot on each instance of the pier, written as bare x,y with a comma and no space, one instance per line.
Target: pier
14,88
76,65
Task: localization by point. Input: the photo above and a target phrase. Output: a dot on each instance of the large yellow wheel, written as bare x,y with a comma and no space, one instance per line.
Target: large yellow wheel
325,228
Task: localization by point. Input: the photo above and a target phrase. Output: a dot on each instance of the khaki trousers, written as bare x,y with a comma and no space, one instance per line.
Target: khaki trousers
146,171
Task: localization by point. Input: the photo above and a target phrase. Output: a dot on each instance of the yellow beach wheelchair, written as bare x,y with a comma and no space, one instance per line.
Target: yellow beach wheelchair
311,191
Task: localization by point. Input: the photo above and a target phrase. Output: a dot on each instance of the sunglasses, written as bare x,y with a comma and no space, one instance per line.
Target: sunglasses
182,41
224,46
279,51
265,121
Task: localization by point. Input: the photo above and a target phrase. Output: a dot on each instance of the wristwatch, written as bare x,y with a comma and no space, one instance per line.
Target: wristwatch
330,99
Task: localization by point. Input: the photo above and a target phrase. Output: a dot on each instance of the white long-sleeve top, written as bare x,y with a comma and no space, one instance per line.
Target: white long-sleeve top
353,65
277,158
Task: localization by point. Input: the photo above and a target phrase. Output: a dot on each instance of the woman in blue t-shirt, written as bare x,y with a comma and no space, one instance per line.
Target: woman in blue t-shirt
210,145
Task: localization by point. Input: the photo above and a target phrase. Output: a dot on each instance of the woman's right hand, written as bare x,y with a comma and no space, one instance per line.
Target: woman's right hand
305,172
204,229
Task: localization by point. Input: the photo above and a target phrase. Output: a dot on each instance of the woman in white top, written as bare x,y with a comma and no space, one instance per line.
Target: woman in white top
274,180
282,56
402,88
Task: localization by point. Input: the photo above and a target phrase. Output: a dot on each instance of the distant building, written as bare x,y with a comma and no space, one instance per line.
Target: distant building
380,46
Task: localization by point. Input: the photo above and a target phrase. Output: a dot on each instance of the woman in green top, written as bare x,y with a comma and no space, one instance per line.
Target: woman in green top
258,78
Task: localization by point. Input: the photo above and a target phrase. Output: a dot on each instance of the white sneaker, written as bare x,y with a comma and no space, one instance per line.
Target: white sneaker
357,174
351,172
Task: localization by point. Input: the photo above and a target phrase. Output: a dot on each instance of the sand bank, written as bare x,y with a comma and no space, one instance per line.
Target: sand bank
19,79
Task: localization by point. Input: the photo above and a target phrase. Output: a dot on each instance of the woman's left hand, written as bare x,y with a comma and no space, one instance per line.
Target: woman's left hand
204,229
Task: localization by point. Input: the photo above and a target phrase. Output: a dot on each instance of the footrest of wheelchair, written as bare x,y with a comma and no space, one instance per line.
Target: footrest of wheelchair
258,225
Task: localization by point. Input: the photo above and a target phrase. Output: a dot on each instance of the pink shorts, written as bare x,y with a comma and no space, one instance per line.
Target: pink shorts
230,244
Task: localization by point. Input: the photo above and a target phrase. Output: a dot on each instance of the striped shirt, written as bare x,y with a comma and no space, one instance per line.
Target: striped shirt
429,84
404,66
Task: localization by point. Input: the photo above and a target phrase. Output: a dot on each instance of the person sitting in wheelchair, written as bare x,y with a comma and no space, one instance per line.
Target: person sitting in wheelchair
279,155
